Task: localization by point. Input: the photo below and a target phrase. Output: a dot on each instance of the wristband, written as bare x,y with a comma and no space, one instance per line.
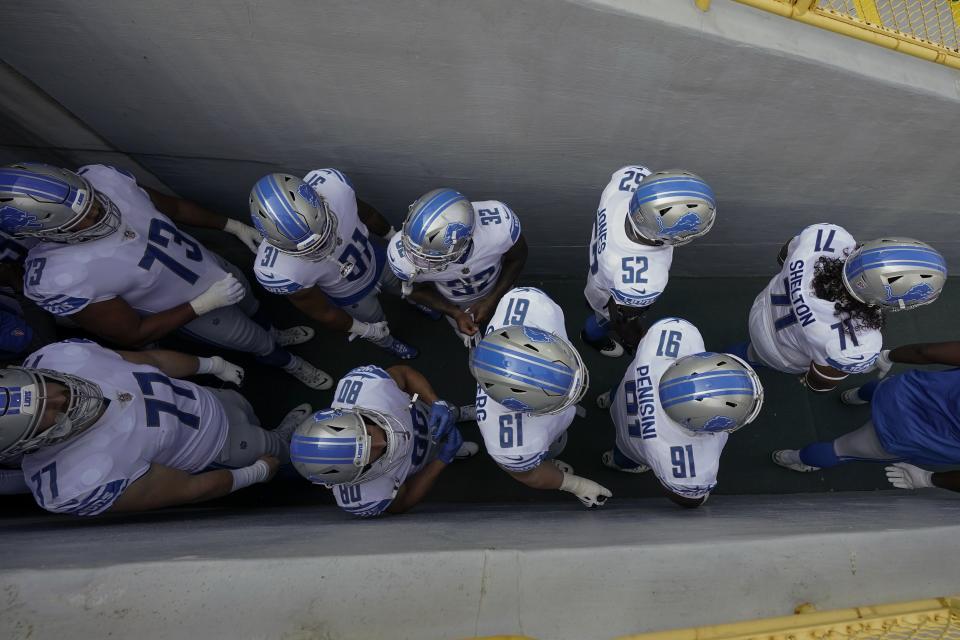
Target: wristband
252,474
205,365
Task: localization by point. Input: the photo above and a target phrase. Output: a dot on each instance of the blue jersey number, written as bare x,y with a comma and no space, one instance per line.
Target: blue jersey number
633,269
634,429
490,216
270,254
682,460
34,270
350,493
359,253
844,330
516,311
631,180
783,300
669,344
349,390
475,284
155,407
157,241
51,485
820,244
421,439
511,430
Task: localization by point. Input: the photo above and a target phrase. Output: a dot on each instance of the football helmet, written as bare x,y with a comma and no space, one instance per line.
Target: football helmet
293,217
333,446
530,370
895,273
42,201
672,207
23,400
438,229
710,392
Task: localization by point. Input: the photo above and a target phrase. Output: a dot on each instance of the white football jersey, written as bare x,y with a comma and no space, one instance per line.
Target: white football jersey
790,327
684,462
148,261
150,419
496,230
633,274
519,441
371,387
354,268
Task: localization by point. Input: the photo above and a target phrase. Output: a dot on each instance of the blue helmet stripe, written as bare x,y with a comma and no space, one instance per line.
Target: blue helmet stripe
30,184
288,221
519,377
705,386
534,374
430,211
896,256
707,375
524,356
711,394
671,187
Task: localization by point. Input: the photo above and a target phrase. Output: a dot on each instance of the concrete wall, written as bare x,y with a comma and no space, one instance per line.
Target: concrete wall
554,573
534,102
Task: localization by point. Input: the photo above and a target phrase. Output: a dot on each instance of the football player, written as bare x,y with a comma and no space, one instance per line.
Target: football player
103,430
458,257
915,418
382,444
822,315
318,252
114,263
675,408
529,380
642,216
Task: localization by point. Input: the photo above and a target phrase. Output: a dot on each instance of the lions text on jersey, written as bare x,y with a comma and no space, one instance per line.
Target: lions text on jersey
372,387
684,462
519,441
633,274
496,229
148,261
150,419
350,274
790,326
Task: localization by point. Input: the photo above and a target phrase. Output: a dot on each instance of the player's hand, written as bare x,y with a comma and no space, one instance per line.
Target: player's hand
906,476
884,363
450,446
406,288
442,418
273,463
372,331
222,293
590,493
469,328
482,310
244,233
226,371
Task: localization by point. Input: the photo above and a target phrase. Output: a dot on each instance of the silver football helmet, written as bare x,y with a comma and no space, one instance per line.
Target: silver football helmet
528,369
46,202
333,446
672,207
438,229
895,273
293,217
711,392
23,400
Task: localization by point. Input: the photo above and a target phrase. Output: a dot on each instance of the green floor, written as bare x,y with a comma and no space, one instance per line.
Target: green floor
791,416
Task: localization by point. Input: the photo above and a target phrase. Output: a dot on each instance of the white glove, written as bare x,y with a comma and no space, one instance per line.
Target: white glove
372,331
589,492
406,288
244,233
884,363
389,235
222,293
471,341
217,366
906,476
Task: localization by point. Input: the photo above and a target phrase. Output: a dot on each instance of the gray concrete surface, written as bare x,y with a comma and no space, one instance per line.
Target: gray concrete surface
533,102
549,572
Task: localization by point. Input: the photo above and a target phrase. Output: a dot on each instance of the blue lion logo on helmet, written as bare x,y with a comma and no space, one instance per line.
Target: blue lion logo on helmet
326,414
455,231
309,194
917,293
687,222
13,219
719,423
515,405
537,335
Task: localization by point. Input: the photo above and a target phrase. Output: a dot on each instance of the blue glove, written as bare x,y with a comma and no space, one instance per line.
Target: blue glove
441,420
450,446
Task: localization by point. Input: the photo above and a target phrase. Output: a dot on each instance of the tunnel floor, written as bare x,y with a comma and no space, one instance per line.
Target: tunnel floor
791,416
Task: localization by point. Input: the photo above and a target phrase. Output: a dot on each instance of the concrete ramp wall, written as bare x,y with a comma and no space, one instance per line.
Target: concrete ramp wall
534,102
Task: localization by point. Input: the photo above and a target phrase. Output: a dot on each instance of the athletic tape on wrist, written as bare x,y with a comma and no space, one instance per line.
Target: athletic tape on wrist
252,474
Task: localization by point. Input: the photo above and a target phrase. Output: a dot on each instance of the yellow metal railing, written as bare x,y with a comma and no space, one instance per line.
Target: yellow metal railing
928,29
937,619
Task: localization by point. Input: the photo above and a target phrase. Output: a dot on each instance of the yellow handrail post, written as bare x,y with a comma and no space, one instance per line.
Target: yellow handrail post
703,5
802,6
